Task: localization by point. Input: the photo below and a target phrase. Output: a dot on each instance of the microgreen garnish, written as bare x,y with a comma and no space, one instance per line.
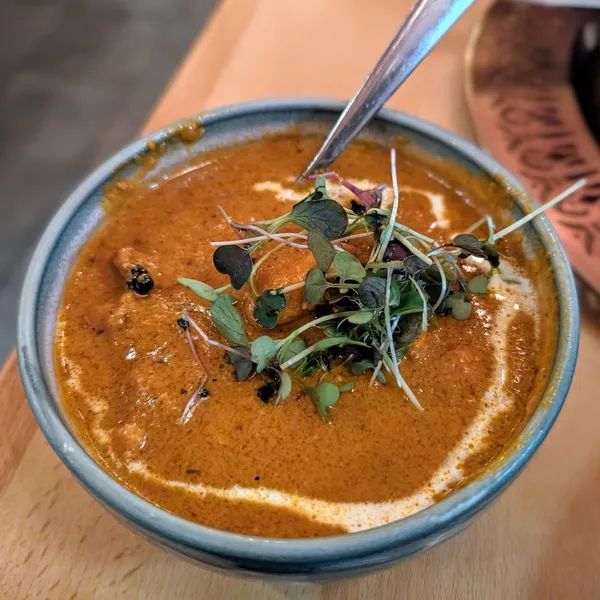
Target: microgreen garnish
325,395
268,305
263,350
325,216
322,249
367,314
479,284
348,268
460,306
200,289
242,364
227,320
235,262
285,386
315,285
371,292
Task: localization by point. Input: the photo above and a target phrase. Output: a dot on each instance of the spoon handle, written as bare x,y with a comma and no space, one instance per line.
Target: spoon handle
427,22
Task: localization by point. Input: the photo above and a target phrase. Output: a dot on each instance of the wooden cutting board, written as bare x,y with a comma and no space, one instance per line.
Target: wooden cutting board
540,540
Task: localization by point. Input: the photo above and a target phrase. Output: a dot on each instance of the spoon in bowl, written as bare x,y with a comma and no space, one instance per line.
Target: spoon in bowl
425,25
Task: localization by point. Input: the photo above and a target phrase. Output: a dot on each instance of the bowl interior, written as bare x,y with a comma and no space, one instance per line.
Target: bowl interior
82,214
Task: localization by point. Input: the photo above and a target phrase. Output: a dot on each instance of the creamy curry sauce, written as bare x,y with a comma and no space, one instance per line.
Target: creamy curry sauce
236,463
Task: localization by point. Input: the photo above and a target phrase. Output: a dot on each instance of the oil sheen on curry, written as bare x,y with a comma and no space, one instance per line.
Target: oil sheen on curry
299,360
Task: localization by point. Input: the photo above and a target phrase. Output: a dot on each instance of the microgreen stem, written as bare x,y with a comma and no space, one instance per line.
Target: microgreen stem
344,286
276,238
383,349
274,226
374,252
258,238
284,342
413,249
534,213
390,334
390,364
291,288
190,342
354,236
298,286
301,355
358,223
401,227
426,247
475,225
287,237
443,282
491,234
424,299
392,264
190,407
204,336
386,235
445,251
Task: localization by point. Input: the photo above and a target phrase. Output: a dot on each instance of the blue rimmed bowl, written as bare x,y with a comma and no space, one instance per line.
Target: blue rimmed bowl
306,559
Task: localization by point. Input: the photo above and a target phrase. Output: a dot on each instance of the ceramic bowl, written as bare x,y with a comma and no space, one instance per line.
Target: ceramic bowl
305,559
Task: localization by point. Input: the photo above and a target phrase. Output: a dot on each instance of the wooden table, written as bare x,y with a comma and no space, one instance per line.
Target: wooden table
540,540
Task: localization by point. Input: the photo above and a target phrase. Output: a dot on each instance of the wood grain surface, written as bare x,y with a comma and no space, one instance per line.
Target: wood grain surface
541,539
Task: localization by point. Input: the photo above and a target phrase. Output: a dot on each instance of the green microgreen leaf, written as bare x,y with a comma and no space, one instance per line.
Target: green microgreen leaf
449,273
294,347
395,294
409,303
268,305
314,286
361,367
460,306
326,216
322,249
235,262
263,349
227,320
347,387
372,292
325,395
243,366
199,288
348,267
285,386
479,284
360,317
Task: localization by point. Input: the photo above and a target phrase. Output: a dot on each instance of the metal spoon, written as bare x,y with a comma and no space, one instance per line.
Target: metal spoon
426,24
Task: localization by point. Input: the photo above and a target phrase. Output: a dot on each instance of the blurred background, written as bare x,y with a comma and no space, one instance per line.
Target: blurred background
77,80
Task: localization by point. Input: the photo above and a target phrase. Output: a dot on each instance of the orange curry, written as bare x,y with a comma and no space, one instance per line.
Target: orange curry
127,372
